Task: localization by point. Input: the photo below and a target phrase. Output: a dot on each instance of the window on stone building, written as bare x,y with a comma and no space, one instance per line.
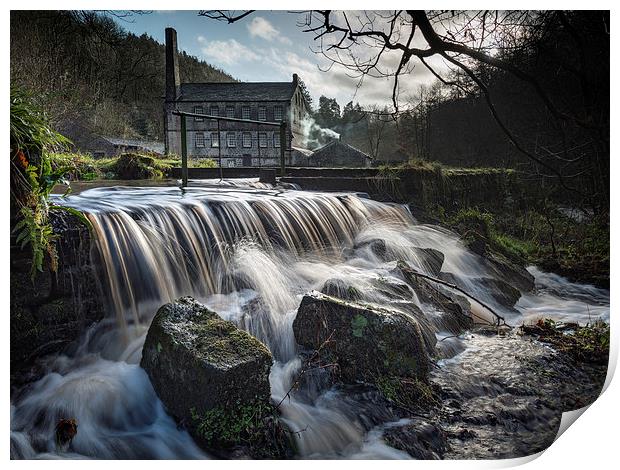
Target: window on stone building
277,113
262,113
245,112
247,140
198,110
262,139
231,139
215,139
230,111
199,139
214,111
276,140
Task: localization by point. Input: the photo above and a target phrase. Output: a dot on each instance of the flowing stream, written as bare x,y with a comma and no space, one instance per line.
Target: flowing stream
249,252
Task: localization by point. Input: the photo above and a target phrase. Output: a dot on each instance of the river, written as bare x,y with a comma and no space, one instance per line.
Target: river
235,245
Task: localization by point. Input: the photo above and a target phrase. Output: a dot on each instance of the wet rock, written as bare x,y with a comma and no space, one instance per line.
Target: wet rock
367,342
502,292
454,308
55,309
430,260
214,379
66,429
421,439
340,289
509,272
377,247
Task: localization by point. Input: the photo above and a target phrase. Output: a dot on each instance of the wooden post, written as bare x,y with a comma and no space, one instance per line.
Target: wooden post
219,151
183,152
282,148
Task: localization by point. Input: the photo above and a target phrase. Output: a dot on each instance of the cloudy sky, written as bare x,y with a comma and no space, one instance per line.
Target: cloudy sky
270,46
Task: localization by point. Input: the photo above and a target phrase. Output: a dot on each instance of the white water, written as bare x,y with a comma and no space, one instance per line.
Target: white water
249,254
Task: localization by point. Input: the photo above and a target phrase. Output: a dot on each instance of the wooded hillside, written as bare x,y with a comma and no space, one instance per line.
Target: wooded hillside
83,67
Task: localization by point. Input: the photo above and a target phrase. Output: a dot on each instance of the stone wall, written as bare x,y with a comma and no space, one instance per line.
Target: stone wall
451,189
52,311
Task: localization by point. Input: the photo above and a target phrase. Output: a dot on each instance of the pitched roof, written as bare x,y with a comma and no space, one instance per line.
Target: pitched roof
338,143
150,145
237,91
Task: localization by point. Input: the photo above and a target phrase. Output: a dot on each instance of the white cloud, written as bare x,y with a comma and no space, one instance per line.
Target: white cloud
227,52
262,28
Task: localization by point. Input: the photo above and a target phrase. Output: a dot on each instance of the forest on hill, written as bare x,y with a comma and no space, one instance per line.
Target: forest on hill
557,130
83,67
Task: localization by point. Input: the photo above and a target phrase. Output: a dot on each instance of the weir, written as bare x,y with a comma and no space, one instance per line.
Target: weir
249,252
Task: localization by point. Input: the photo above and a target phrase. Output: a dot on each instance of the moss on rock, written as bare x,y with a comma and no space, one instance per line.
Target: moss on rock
367,342
214,378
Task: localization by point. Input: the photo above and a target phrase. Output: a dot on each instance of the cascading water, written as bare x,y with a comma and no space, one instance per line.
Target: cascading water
250,254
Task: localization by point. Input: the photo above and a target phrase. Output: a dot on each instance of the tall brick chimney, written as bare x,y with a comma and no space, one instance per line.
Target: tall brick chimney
172,140
173,79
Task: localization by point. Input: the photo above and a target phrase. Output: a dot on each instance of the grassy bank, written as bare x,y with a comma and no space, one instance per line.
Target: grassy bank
554,239
82,167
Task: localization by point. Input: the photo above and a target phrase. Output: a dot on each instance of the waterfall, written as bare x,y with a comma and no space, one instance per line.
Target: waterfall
250,254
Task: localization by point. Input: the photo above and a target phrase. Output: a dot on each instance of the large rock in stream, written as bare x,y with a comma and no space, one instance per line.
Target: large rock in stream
369,344
214,379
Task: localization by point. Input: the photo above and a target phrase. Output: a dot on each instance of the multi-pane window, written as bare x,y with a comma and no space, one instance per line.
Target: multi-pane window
245,112
230,111
247,140
262,113
215,139
262,139
277,113
276,140
231,139
199,139
214,111
198,110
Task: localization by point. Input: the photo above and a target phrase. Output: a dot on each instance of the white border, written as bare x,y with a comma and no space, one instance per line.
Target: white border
590,444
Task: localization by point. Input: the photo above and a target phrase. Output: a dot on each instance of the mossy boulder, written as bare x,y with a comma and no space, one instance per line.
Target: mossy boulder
367,342
132,166
213,378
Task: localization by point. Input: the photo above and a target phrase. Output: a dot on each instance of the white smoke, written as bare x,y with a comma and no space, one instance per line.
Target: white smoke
315,135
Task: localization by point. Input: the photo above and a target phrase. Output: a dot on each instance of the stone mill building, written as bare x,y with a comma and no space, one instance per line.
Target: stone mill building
238,143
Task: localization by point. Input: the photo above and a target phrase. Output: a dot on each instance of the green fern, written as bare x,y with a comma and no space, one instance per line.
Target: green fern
34,177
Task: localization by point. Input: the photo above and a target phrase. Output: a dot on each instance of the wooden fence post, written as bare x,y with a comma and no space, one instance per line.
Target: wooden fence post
282,148
183,152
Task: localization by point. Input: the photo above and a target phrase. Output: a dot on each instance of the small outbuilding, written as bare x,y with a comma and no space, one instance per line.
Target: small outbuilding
338,154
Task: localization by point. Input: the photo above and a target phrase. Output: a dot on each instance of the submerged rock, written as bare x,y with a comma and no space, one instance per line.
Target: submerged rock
214,379
421,439
376,246
368,343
